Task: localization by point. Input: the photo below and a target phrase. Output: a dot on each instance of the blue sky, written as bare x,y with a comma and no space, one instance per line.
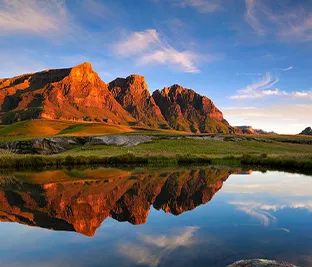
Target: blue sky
252,58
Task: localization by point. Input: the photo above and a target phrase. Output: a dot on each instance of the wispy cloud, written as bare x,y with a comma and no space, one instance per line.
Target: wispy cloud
249,74
264,217
288,69
149,48
137,42
251,17
203,6
283,23
39,17
263,212
262,88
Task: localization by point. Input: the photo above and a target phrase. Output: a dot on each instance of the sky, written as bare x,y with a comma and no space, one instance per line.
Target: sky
251,57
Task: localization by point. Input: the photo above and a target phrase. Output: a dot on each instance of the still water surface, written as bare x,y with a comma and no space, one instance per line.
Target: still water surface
186,217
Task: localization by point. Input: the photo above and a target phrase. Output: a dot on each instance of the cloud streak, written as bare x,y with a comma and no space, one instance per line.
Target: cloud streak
202,6
38,17
149,48
252,18
262,212
285,24
260,89
288,69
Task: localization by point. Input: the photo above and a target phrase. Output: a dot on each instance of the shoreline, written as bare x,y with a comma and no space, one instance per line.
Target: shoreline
57,161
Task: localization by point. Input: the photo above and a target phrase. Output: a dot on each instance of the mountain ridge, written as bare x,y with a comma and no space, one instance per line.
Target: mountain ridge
79,94
76,94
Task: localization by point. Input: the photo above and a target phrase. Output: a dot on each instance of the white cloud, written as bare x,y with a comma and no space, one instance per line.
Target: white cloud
154,248
172,242
39,17
287,69
288,118
184,60
137,42
260,89
303,94
203,6
148,48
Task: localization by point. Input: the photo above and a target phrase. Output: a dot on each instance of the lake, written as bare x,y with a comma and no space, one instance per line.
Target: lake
154,217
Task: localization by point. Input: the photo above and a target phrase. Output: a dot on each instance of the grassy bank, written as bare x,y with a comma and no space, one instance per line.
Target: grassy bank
282,152
303,165
24,161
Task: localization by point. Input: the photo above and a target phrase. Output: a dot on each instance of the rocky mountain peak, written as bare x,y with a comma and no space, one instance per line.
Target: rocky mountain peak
132,93
187,110
76,93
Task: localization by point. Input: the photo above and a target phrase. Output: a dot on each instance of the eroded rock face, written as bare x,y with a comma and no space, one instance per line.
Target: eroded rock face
44,146
75,93
186,110
82,206
120,140
260,263
133,95
55,145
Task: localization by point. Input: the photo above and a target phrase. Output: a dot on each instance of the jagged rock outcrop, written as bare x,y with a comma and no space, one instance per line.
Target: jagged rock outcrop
186,110
55,145
82,204
307,131
250,130
76,93
132,93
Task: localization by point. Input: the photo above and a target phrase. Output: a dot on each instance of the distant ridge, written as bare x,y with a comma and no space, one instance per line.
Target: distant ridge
250,130
79,94
307,131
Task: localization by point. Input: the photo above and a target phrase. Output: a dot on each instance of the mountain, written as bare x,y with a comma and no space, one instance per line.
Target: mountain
250,130
307,131
185,110
76,94
133,95
70,204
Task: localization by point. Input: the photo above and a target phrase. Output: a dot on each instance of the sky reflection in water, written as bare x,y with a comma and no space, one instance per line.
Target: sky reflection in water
261,215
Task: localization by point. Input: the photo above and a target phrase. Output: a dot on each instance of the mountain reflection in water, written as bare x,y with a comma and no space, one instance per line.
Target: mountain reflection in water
81,200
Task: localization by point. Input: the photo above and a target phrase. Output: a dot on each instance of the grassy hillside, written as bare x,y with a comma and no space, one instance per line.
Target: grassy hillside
47,128
44,128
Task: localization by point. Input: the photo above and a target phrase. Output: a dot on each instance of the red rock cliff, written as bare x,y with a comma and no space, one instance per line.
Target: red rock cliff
76,93
132,93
